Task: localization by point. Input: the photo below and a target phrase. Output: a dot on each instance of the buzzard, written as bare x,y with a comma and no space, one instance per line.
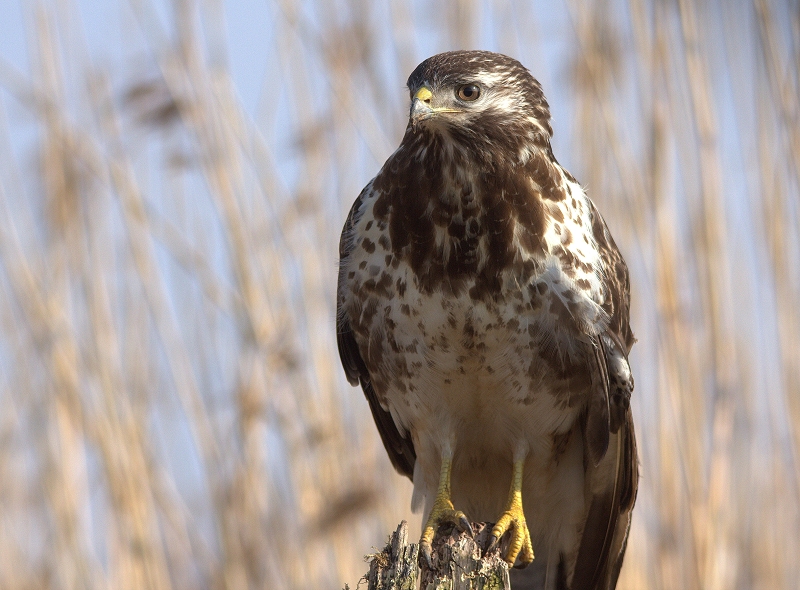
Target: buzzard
483,307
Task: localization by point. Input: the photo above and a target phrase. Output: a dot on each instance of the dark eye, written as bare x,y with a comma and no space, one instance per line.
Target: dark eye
469,92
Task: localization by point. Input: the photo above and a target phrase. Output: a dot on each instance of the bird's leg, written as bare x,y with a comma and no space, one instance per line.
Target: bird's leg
442,511
513,519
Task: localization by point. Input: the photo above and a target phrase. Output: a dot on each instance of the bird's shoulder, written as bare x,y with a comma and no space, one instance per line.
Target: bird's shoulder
397,442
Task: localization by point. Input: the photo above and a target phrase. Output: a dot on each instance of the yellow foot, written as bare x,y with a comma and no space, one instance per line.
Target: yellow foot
442,513
513,520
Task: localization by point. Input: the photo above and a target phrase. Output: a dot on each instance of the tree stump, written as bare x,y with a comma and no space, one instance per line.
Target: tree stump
457,563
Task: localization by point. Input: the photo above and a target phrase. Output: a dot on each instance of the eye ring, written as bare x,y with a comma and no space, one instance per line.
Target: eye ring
469,92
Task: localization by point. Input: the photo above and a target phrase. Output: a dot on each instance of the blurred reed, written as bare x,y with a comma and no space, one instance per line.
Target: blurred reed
174,413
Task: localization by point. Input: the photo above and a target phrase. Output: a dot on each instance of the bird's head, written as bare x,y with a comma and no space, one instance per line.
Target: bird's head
478,98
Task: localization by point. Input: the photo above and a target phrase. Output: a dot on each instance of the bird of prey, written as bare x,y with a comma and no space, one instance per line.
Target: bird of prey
483,307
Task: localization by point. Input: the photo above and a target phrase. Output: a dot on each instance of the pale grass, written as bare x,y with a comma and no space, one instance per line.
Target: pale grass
174,411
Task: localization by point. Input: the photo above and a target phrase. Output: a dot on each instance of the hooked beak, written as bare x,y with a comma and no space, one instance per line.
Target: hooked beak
421,106
421,109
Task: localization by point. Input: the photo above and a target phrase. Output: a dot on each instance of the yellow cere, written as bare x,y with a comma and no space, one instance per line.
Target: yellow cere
424,93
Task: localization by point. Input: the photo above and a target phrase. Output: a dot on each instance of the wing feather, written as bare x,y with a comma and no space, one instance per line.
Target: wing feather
612,473
611,491
398,444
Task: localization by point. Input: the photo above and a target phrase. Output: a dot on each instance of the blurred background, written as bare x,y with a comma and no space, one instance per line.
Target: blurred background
173,180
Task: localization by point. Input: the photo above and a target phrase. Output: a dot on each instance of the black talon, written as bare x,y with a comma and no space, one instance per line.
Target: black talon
520,565
493,541
465,526
425,553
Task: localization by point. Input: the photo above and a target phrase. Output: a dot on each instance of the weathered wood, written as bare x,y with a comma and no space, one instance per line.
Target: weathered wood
395,568
457,563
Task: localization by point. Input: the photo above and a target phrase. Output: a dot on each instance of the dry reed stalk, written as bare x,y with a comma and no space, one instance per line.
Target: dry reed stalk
171,266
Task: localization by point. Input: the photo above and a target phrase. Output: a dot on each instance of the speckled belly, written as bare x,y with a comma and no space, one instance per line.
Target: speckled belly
463,362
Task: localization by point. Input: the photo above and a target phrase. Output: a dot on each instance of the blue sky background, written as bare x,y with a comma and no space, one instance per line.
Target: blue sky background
281,57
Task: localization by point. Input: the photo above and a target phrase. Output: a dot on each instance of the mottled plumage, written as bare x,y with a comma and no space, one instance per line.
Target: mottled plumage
483,307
